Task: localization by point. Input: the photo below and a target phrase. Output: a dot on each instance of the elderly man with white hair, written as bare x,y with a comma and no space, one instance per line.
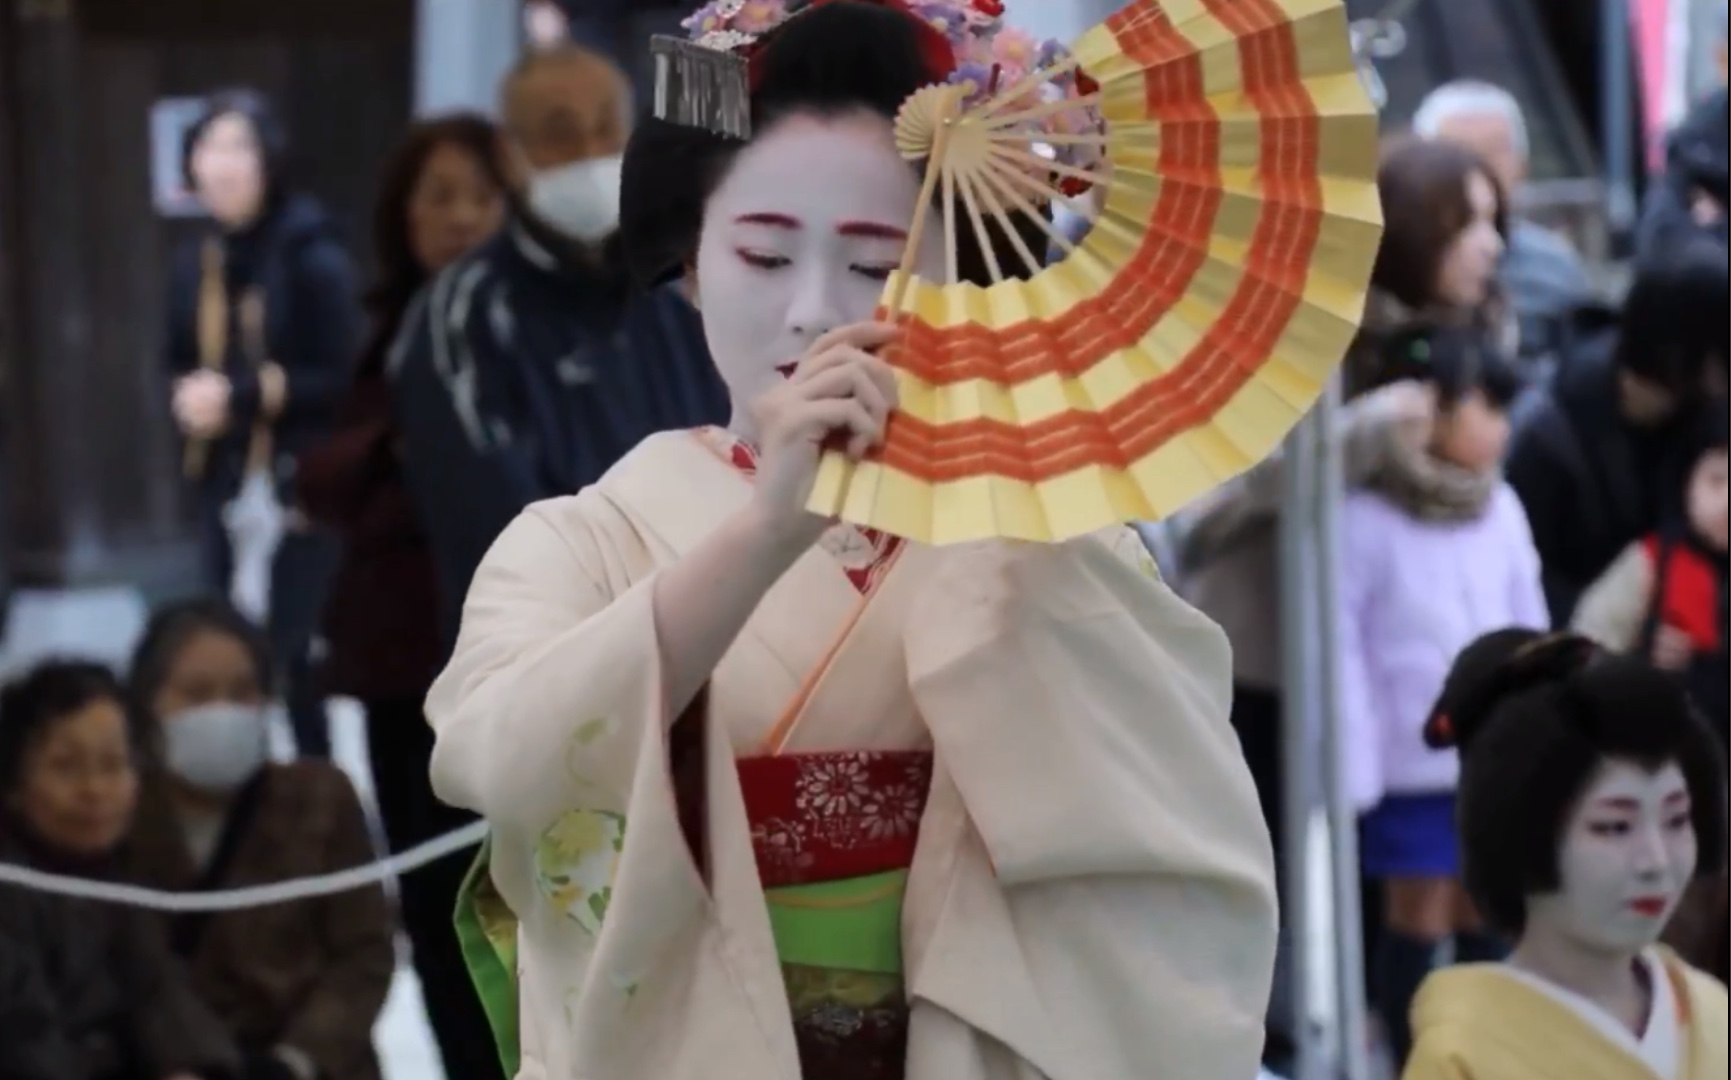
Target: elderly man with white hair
1542,274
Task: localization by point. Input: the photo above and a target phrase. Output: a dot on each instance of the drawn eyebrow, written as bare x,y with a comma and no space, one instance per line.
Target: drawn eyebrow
1620,803
871,230
774,221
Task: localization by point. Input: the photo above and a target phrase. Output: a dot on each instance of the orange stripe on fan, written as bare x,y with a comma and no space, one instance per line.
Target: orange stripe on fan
1152,280
1232,350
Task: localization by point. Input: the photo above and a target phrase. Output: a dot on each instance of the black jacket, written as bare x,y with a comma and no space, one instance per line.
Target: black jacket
1590,482
90,991
1698,158
313,327
525,372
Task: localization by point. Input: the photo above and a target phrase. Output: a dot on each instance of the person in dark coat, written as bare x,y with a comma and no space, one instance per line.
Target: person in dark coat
1694,194
443,193
264,320
1593,449
88,991
531,366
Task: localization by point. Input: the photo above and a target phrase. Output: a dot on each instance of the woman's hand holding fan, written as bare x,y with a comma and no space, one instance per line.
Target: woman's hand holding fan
840,396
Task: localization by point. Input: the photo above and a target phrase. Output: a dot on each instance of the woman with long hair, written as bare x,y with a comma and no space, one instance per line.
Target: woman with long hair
1446,223
442,193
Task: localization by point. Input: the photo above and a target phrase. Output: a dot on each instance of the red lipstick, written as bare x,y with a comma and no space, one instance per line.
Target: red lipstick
1650,906
786,370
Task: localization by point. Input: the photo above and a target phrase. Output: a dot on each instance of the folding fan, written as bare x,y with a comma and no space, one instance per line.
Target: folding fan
1174,346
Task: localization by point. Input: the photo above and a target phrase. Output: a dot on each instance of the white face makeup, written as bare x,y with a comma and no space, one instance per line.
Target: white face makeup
1627,852
798,240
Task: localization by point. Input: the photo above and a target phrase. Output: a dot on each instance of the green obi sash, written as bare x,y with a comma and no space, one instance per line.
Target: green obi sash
487,933
840,943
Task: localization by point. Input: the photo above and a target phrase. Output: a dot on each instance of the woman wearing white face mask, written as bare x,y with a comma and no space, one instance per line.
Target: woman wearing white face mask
1591,795
298,984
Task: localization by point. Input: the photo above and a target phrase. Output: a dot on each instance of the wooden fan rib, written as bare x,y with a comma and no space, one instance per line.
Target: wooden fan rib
916,231
1039,112
1002,177
979,181
973,208
952,257
1011,151
1085,138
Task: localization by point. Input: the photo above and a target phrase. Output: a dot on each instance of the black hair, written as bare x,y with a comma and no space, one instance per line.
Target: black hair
273,142
170,628
832,59
1714,432
41,697
1534,717
1677,316
1455,359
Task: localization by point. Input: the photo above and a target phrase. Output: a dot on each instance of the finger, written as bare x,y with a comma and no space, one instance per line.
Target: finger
884,378
869,335
816,421
853,379
866,336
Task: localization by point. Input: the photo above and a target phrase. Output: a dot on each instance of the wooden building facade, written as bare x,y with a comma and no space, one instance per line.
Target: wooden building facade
89,484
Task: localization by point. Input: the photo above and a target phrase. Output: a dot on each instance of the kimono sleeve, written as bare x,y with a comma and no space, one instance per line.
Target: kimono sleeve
1614,608
1431,1059
1080,710
554,692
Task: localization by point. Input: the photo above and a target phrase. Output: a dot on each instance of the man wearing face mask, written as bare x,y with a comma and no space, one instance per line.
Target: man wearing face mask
530,367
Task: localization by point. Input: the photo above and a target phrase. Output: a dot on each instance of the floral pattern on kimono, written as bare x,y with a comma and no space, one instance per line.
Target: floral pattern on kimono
576,862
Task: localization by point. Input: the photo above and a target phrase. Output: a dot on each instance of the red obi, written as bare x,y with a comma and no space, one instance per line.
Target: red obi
834,816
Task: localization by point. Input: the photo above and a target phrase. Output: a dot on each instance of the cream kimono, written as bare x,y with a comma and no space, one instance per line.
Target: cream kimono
1091,897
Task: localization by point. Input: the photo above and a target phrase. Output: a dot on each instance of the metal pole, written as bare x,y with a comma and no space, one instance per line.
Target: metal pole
1298,723
1342,816
1617,119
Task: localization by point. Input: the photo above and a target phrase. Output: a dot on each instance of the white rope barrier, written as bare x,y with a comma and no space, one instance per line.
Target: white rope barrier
279,892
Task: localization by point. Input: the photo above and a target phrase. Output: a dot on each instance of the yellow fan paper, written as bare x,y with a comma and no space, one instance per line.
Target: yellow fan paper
1187,333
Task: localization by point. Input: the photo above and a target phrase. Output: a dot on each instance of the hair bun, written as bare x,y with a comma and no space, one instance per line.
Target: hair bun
1500,665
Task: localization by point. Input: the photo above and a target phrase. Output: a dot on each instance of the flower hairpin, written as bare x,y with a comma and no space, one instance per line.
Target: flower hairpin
989,57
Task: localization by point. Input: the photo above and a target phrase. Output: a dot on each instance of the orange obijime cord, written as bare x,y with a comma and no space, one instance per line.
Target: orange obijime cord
776,743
